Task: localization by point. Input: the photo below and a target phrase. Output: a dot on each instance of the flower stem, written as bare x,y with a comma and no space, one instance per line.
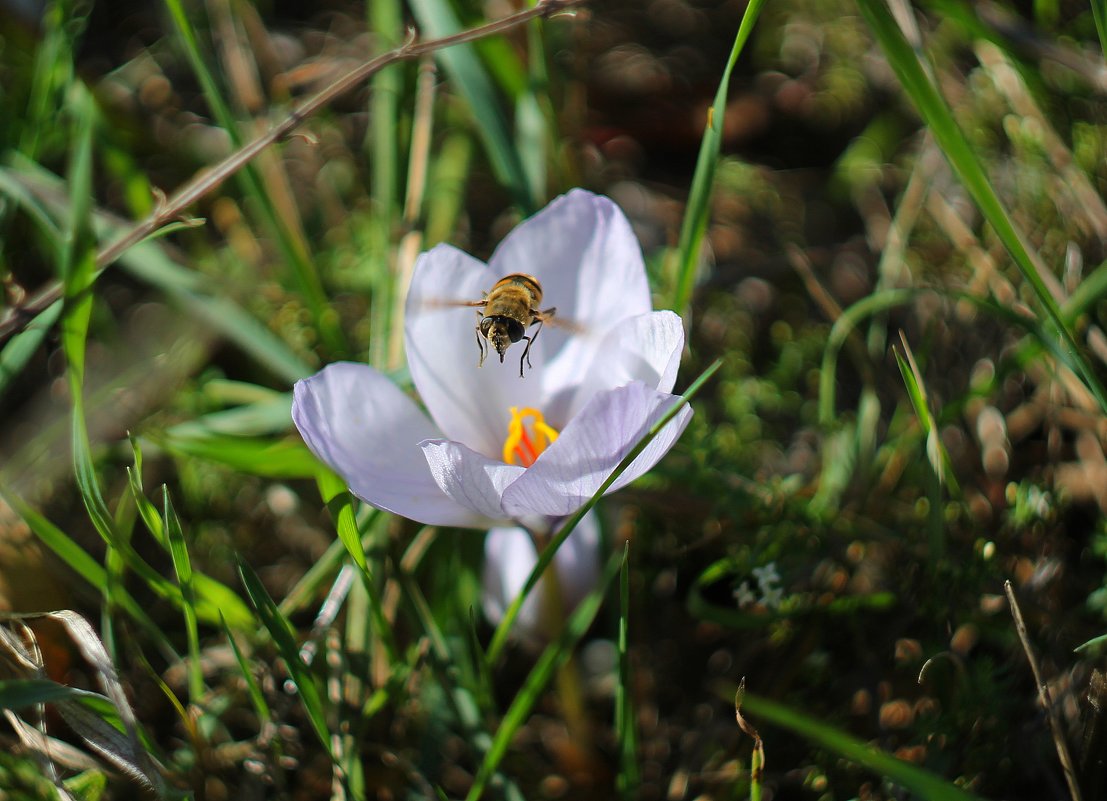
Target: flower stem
570,693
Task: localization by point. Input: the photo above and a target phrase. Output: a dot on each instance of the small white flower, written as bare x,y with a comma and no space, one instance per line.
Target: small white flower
772,598
766,577
744,596
498,450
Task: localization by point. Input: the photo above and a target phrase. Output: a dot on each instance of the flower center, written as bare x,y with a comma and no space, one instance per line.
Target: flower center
525,442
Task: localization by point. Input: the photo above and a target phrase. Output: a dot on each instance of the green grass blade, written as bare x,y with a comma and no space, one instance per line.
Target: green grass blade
446,188
628,779
503,629
341,506
698,211
437,18
253,689
20,693
921,782
182,565
284,636
63,25
212,600
285,458
940,469
1099,12
533,131
20,348
383,150
555,655
842,328
936,452
340,503
937,115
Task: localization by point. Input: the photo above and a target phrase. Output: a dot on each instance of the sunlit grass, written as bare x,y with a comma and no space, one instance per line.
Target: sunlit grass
887,243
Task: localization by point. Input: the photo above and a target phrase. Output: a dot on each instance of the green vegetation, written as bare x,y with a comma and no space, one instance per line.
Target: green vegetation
885,228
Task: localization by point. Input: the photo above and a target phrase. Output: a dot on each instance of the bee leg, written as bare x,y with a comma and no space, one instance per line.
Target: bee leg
480,346
526,350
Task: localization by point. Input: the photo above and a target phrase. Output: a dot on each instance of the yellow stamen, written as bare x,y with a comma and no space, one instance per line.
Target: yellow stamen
523,446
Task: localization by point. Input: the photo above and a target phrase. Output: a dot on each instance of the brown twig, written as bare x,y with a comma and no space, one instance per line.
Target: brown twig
208,180
1067,765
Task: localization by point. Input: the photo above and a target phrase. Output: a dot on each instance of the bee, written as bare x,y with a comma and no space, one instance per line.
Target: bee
507,310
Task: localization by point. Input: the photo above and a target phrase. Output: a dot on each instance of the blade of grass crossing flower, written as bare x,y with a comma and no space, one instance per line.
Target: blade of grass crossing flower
698,210
628,779
437,18
182,565
284,636
555,655
961,156
921,782
503,629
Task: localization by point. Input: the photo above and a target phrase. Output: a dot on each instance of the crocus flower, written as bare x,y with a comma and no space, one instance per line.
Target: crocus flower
497,449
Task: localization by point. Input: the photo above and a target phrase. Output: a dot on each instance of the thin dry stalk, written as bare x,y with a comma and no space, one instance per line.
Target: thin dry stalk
208,180
412,241
1052,718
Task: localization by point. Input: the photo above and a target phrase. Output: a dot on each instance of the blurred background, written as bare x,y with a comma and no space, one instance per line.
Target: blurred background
893,433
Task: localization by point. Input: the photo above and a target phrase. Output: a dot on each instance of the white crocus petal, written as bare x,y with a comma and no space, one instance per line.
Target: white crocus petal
368,431
471,479
571,470
469,404
585,254
644,348
509,558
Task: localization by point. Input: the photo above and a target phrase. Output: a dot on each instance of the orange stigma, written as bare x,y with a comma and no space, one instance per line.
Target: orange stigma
525,443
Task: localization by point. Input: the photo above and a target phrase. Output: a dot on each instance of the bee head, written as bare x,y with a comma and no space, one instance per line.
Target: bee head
501,331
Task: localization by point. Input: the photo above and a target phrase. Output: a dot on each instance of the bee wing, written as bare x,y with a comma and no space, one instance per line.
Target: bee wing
442,303
549,317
